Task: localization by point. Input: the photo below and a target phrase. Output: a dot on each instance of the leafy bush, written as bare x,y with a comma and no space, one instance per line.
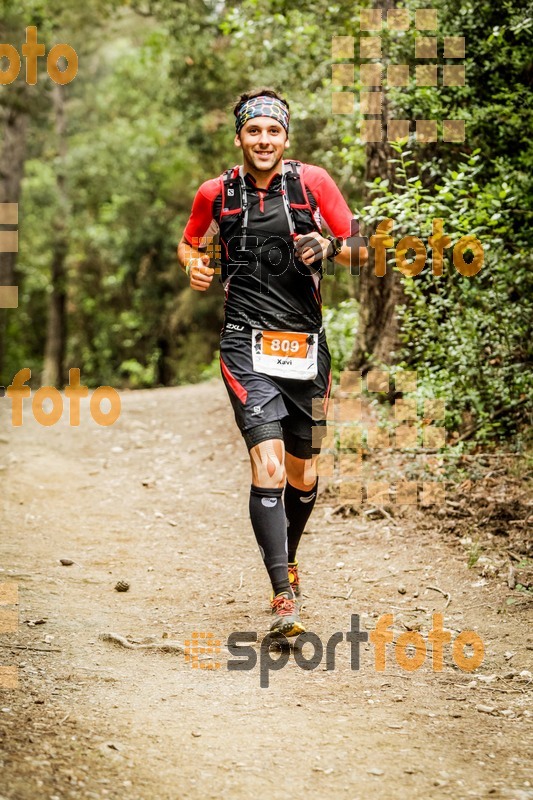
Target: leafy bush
466,336
212,370
340,323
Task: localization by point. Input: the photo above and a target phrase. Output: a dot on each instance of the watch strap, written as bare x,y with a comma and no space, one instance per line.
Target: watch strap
337,244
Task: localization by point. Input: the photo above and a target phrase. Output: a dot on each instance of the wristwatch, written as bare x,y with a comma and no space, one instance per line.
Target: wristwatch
336,245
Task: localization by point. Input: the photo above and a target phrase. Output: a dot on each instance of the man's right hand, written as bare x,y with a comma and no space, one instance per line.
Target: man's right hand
200,273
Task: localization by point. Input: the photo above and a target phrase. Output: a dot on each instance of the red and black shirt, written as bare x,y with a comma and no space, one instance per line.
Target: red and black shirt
265,285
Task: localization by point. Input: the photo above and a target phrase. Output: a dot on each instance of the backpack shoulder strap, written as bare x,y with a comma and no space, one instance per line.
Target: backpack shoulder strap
230,185
298,204
295,186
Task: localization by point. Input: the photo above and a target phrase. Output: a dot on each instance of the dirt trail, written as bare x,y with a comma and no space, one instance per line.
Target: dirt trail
160,500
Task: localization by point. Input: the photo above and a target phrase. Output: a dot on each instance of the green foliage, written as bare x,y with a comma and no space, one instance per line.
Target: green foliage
340,323
149,118
468,337
211,370
474,554
138,375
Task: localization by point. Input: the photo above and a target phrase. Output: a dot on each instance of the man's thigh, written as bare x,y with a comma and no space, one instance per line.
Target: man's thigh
255,398
306,403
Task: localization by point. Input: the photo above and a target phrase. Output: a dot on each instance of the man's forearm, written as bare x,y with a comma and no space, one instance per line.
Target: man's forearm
352,256
185,253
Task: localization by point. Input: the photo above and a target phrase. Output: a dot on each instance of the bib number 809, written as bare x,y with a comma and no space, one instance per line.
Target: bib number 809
285,345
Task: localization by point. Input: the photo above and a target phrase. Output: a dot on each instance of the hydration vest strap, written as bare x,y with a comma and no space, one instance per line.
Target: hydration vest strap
297,194
231,192
286,204
244,204
235,196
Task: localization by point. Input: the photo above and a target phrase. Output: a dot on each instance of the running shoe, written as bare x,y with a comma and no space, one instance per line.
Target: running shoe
286,617
293,578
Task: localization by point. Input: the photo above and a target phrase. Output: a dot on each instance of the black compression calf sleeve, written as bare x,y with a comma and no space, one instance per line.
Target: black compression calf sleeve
298,507
270,528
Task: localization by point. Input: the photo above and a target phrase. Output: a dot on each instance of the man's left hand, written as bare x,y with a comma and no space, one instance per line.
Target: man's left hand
311,247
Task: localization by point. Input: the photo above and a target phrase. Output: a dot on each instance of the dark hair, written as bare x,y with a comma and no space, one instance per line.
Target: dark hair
257,93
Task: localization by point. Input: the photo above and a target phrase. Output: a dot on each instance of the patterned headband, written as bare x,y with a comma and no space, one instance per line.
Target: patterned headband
262,106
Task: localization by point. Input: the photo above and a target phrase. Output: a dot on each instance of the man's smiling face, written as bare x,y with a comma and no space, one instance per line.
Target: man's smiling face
263,141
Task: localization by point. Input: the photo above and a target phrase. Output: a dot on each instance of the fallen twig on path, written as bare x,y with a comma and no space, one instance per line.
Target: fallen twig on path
511,577
461,507
27,647
166,647
381,511
504,691
343,596
447,595
337,510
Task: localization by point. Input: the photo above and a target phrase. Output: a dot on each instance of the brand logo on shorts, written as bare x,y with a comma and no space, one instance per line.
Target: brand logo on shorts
269,502
231,327
257,411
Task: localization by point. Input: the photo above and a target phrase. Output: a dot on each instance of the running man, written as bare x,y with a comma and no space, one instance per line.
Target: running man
274,355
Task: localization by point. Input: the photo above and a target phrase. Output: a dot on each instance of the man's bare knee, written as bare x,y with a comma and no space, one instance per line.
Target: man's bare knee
267,462
301,472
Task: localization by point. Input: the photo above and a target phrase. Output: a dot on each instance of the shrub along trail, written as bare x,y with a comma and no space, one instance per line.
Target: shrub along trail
159,501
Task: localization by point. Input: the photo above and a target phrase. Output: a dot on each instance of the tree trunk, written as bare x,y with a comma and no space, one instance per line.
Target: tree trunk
14,125
377,339
54,354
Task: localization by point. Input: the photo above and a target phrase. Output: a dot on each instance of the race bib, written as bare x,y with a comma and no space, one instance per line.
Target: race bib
285,354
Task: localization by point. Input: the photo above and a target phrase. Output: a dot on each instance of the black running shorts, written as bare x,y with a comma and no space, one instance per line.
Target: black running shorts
257,398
